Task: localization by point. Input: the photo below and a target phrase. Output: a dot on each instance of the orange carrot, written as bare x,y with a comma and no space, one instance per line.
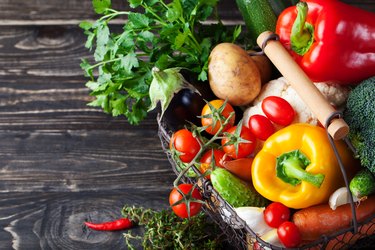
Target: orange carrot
319,220
240,168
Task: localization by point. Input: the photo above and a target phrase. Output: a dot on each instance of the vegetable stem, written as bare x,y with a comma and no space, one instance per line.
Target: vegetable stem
290,167
302,32
294,169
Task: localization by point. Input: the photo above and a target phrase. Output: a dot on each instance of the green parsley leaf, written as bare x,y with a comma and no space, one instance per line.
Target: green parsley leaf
138,20
101,6
134,3
129,61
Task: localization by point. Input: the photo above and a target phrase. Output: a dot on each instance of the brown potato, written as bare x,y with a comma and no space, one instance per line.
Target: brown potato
233,75
264,65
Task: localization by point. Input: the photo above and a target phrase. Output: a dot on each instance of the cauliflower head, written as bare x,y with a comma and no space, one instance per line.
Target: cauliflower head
334,93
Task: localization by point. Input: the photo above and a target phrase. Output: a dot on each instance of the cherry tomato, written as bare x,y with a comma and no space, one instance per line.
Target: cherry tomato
208,121
244,148
181,210
261,127
185,143
278,110
289,234
275,214
203,168
219,157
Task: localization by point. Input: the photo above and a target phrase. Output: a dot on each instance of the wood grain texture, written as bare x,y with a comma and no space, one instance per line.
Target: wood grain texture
62,162
54,220
71,12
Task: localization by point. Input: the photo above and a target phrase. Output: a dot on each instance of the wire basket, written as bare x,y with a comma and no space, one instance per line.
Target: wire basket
240,235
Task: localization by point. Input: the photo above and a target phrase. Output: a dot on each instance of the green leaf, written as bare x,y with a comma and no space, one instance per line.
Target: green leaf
86,25
100,6
237,32
85,65
90,40
119,105
134,3
102,38
92,85
147,36
175,11
100,101
139,21
164,85
129,61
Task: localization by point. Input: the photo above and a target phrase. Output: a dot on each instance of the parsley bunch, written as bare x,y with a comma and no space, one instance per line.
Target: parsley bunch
156,34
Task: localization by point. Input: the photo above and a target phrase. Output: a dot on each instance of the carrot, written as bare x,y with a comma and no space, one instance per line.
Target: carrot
240,168
319,220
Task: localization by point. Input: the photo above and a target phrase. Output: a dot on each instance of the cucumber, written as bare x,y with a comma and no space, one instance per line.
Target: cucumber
258,16
234,191
362,184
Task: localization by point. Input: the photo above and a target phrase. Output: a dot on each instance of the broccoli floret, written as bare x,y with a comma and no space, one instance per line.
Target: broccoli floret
360,116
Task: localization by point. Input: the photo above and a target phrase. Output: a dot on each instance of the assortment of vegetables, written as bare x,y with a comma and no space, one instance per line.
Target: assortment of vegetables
272,162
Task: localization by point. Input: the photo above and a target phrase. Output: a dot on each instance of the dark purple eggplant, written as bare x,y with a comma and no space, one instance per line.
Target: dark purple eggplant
187,105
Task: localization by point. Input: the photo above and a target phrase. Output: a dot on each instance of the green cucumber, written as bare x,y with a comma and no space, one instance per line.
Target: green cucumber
362,184
258,16
234,191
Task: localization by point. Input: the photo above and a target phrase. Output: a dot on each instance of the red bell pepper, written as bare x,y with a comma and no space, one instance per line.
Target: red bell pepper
330,40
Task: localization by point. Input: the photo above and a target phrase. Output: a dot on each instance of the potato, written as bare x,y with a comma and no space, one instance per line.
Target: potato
264,65
233,75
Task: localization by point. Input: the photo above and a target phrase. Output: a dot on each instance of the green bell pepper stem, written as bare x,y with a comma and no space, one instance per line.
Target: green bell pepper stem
302,35
290,168
293,169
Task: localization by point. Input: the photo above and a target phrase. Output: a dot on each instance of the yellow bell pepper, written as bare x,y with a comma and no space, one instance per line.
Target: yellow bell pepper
297,166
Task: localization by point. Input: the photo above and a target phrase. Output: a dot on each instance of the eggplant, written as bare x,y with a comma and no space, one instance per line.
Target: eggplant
187,105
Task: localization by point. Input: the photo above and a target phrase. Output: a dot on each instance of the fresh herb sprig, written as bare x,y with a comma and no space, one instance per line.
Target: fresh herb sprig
156,34
164,230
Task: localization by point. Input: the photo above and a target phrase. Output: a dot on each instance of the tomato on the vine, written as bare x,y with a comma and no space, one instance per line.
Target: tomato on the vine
218,155
238,142
223,112
181,209
278,110
261,126
275,214
186,144
289,234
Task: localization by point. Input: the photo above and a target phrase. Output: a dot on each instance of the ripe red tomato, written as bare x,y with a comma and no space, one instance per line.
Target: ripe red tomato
261,127
209,121
219,157
278,110
289,234
275,214
181,209
233,140
185,143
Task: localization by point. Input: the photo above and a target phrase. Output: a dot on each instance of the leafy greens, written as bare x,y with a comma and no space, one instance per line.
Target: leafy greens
156,34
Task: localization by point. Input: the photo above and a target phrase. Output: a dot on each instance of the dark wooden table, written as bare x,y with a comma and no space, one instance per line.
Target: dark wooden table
62,162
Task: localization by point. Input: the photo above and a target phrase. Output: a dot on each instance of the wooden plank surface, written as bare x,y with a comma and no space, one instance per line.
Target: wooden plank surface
56,12
63,162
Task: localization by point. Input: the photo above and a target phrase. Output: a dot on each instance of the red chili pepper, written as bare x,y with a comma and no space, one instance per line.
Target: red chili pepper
330,40
123,223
